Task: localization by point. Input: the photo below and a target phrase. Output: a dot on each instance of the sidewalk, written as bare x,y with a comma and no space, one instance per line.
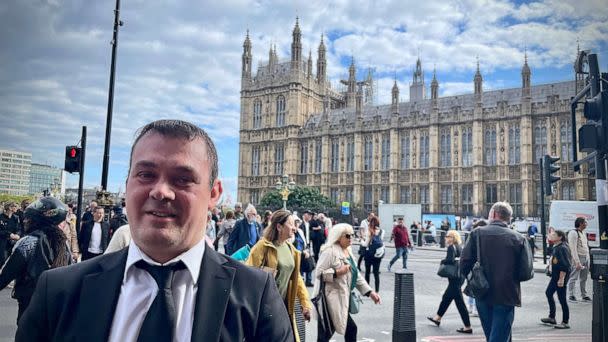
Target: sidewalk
539,267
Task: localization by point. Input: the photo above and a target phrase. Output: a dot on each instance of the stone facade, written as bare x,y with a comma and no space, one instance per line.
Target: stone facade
455,154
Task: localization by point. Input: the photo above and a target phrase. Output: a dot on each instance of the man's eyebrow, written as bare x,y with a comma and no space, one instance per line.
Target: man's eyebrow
144,163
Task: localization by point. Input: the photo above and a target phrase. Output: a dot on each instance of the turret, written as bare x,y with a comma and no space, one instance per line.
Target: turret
321,63
309,68
434,87
246,71
395,98
296,46
525,77
417,88
478,81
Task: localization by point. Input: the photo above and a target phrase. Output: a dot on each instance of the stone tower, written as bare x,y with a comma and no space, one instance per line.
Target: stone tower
417,92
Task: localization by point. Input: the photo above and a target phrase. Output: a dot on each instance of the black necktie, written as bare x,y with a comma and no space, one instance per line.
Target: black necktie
159,323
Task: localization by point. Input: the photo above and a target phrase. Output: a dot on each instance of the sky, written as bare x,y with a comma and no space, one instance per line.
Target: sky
182,59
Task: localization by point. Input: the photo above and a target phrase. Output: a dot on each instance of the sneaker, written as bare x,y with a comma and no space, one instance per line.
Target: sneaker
548,320
562,326
572,299
587,299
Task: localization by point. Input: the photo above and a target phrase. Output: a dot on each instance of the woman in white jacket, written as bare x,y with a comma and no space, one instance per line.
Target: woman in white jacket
337,268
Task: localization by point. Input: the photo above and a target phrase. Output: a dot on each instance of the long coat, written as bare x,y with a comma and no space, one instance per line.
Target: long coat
265,249
337,288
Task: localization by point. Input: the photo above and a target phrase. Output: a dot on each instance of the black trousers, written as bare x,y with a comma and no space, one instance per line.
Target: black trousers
453,293
86,255
561,295
350,335
373,264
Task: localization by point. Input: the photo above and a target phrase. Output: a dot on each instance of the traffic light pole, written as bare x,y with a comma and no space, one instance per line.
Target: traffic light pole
83,140
543,222
599,320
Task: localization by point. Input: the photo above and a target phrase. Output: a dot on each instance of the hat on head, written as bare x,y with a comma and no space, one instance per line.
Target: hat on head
308,212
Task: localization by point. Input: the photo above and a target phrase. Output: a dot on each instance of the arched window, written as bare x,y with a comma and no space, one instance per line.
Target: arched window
446,148
490,147
280,111
257,114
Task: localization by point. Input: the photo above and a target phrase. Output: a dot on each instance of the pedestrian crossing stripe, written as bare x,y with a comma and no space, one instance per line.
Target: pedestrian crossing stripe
540,337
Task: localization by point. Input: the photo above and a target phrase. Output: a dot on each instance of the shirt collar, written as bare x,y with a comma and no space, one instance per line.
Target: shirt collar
192,258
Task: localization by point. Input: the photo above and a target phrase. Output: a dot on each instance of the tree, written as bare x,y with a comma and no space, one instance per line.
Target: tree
15,198
301,198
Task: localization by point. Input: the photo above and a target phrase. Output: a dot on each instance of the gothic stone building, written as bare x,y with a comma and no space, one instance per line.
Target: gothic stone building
454,154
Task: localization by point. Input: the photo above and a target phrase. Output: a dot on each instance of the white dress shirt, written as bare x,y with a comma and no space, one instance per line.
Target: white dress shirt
95,242
139,289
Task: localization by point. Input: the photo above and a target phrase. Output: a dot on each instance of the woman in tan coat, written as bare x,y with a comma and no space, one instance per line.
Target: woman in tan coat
337,268
275,254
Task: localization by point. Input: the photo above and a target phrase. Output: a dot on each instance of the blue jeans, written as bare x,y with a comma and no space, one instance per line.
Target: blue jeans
496,320
401,252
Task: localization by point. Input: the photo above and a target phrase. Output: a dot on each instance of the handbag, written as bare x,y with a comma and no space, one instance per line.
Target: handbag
526,263
326,326
307,263
379,252
450,271
242,253
477,283
355,302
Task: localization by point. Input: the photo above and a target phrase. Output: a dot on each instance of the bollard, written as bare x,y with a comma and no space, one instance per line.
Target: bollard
404,310
419,238
442,239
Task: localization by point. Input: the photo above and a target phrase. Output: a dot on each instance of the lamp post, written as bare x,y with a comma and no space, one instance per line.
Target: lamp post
285,186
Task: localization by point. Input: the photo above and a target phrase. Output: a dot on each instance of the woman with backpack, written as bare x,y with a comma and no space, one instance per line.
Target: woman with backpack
453,293
44,247
374,251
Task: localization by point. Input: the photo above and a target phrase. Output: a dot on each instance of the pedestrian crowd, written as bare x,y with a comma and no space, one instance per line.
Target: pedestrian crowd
154,275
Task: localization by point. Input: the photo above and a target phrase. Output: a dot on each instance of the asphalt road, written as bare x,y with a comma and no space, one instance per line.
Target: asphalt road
375,321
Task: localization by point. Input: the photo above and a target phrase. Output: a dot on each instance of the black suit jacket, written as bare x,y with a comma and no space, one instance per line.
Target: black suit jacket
234,302
85,235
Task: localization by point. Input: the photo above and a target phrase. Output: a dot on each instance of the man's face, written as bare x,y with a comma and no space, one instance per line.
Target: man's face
252,215
168,194
307,217
238,209
583,225
93,205
98,214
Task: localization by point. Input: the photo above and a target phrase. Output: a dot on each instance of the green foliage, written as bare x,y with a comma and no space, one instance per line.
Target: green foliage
300,199
15,198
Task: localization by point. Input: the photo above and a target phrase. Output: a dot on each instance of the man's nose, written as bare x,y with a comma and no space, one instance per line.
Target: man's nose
162,191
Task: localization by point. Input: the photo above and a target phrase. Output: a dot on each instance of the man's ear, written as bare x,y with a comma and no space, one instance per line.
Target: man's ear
216,193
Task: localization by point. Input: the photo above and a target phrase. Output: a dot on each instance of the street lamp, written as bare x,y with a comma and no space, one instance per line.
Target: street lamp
285,187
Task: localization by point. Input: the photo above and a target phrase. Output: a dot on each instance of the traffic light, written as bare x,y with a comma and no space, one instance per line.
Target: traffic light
72,159
548,170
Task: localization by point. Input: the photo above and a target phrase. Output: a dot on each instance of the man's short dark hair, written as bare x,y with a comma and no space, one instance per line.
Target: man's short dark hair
579,221
182,130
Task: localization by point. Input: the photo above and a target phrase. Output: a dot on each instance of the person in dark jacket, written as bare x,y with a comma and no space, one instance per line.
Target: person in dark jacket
246,231
561,266
453,293
402,243
44,247
501,250
9,230
94,236
118,220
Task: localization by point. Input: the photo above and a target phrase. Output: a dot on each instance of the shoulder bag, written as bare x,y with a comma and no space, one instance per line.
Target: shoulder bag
477,283
355,301
326,326
307,261
526,263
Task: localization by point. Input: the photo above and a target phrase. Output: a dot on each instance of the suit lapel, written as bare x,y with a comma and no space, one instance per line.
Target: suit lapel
98,298
214,283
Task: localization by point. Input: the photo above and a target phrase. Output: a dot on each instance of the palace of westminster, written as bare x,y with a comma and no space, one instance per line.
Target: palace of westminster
454,155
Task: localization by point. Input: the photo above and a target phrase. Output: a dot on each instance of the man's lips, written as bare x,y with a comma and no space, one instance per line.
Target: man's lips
161,213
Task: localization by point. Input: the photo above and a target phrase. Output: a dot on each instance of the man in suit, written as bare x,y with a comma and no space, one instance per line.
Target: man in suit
167,285
246,231
94,235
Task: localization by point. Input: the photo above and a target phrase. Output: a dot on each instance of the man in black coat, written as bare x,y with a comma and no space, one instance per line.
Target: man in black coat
94,236
246,231
501,249
124,296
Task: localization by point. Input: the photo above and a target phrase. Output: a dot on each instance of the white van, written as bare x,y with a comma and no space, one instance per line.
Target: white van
563,213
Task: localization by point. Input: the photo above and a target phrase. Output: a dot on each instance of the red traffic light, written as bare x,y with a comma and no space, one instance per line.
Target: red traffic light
73,152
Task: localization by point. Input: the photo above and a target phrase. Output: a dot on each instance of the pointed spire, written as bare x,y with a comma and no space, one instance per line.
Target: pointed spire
434,73
247,42
478,80
478,72
296,28
434,86
296,46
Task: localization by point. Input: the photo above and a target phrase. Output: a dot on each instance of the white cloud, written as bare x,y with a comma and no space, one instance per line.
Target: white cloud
183,59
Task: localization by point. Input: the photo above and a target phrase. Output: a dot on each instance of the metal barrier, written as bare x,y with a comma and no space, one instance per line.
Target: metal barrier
404,310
